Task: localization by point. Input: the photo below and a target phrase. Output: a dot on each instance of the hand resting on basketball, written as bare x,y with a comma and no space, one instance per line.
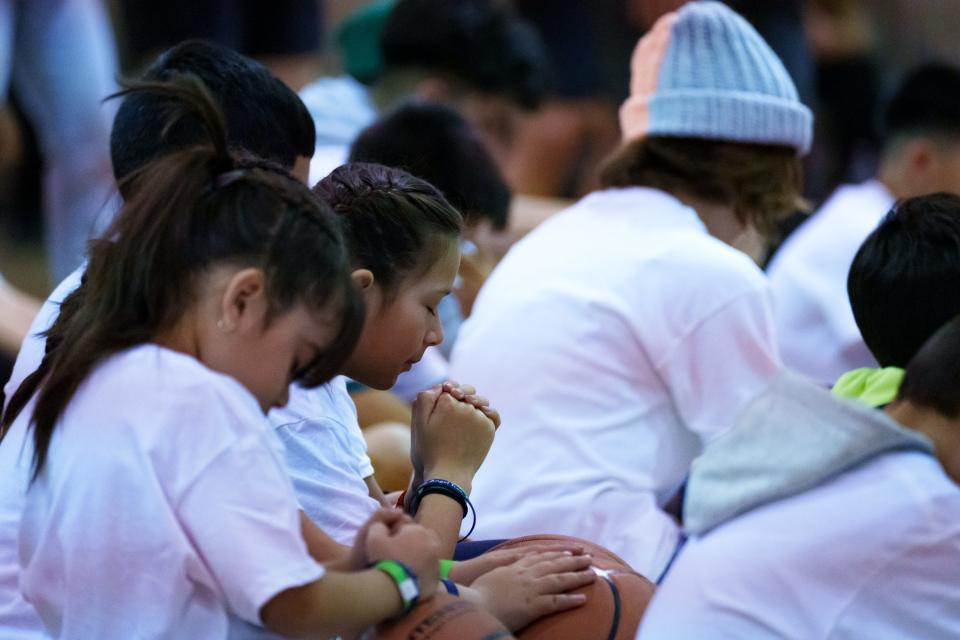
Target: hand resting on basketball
533,587
466,571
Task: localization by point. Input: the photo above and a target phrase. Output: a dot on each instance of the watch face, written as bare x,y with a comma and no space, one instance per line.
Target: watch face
408,590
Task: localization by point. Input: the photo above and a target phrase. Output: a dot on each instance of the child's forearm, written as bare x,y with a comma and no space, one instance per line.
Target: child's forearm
373,488
443,516
437,512
320,546
337,604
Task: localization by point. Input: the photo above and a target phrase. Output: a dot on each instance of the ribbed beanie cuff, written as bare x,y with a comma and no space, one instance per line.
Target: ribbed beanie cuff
704,72
740,117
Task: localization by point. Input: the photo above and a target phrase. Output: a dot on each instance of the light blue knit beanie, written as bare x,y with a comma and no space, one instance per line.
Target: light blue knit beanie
704,72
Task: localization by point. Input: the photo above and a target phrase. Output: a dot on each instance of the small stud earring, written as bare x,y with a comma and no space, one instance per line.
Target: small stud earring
221,325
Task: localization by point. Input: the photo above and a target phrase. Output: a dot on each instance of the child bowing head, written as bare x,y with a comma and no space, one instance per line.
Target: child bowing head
403,239
221,282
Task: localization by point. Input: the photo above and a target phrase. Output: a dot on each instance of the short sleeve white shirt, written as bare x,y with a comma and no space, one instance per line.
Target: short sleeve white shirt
33,346
872,554
18,620
163,510
808,276
614,339
326,457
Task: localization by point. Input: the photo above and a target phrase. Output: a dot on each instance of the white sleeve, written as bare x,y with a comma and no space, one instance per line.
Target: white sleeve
242,517
358,448
717,366
35,343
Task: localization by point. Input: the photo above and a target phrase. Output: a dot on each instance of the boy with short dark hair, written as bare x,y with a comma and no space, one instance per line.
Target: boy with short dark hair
903,287
263,115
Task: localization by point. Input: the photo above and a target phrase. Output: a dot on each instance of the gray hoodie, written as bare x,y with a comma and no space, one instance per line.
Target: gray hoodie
792,437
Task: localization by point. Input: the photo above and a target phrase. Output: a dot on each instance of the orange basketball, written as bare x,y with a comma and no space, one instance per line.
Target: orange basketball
615,602
444,617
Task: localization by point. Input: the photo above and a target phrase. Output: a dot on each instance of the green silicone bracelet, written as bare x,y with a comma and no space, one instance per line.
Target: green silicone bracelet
405,579
445,567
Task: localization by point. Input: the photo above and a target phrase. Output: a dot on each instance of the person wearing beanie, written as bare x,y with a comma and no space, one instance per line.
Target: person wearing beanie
626,331
816,326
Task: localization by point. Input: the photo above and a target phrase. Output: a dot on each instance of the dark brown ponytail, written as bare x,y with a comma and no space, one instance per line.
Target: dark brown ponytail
189,211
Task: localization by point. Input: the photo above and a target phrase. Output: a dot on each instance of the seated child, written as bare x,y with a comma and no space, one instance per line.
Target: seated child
403,238
516,611
158,506
436,144
903,287
627,331
823,518
263,116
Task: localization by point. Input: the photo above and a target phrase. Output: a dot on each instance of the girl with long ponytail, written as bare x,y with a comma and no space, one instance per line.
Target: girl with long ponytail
157,505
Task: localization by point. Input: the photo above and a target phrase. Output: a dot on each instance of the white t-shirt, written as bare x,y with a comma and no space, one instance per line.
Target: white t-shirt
326,457
163,511
32,348
808,276
873,553
18,620
613,339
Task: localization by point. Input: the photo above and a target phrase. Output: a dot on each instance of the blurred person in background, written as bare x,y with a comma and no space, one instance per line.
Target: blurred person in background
921,154
842,39
17,310
476,56
284,35
59,57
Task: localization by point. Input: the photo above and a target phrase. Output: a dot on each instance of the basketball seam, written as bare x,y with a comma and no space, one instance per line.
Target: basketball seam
615,624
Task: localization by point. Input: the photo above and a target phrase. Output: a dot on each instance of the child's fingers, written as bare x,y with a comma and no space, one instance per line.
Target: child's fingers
545,605
563,582
426,402
563,564
389,515
531,559
492,414
377,533
571,547
502,558
478,402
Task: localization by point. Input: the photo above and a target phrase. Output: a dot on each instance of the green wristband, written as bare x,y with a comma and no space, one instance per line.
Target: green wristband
405,579
445,567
